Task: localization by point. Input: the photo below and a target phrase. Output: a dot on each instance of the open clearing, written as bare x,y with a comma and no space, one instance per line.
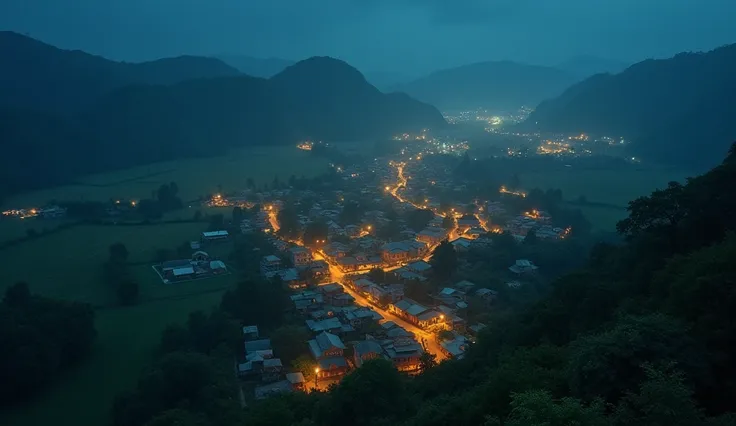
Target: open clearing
615,187
195,177
126,340
608,186
68,264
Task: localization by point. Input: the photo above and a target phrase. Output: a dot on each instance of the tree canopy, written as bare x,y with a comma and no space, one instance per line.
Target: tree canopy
40,338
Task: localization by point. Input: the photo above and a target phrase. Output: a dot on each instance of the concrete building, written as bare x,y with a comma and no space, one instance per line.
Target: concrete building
270,265
300,256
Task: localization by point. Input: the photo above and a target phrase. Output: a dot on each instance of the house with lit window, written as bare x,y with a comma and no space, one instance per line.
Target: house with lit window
402,251
415,313
404,353
432,235
300,256
327,349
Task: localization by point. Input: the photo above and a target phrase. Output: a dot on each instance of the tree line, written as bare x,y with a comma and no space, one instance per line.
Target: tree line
40,338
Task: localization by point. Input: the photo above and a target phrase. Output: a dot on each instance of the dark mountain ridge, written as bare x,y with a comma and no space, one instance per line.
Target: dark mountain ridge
583,66
39,76
499,85
665,106
257,67
320,98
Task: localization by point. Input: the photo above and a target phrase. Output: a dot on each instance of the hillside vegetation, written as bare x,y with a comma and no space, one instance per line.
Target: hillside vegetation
116,122
668,107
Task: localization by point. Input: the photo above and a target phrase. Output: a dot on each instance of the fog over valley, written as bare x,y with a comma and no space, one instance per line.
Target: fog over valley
412,213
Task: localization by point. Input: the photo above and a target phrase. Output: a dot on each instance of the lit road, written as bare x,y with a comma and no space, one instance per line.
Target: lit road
338,276
429,339
402,182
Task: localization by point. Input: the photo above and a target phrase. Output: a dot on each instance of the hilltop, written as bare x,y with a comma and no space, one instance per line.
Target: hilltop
667,107
174,116
499,85
256,67
39,76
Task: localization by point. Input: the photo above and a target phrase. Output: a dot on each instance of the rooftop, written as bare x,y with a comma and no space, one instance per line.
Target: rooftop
295,378
257,345
419,266
327,363
210,234
248,329
327,340
367,346
272,363
282,386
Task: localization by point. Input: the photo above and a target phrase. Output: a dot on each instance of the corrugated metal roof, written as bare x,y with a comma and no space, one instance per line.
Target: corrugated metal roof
187,270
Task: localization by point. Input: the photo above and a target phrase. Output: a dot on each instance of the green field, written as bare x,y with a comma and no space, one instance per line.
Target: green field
68,264
194,177
125,343
614,187
607,186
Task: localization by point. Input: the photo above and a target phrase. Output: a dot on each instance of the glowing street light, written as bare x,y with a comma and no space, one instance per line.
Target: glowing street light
316,374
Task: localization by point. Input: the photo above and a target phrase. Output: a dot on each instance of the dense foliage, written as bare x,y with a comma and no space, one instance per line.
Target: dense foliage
191,382
665,106
39,338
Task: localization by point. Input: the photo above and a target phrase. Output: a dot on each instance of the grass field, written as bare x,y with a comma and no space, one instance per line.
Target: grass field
604,186
195,177
125,344
607,186
68,264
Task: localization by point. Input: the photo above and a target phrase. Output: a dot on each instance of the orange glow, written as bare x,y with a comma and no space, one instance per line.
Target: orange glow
534,214
503,190
306,146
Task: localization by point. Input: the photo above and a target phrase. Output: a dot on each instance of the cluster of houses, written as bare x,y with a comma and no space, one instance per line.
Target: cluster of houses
199,266
262,220
333,318
49,212
302,271
260,363
536,220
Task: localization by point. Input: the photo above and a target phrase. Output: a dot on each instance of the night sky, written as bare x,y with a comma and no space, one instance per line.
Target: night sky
409,36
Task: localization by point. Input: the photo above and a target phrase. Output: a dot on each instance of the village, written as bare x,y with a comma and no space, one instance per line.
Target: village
351,271
357,258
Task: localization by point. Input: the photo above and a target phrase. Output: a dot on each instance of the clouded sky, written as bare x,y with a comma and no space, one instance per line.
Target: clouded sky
378,35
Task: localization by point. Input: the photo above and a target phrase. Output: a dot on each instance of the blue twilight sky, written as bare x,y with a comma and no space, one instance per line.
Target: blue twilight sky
409,36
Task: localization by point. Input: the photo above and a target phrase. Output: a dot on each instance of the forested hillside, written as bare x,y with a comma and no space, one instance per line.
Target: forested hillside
102,122
666,107
42,77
